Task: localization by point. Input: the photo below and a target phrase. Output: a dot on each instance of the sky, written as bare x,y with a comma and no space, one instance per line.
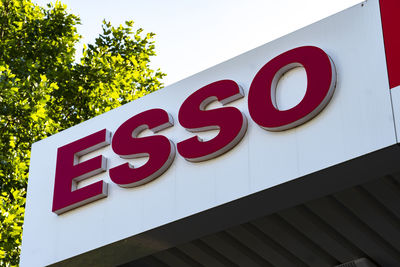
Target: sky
193,35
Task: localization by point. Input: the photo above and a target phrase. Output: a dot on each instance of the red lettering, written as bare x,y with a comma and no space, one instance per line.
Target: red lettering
69,172
232,123
193,116
321,81
158,148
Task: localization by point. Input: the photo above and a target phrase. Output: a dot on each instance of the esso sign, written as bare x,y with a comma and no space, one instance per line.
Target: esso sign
193,116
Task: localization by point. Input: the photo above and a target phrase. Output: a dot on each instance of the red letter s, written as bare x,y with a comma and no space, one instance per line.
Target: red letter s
229,120
160,149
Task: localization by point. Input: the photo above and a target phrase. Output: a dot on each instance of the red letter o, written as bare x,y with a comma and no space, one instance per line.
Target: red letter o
321,81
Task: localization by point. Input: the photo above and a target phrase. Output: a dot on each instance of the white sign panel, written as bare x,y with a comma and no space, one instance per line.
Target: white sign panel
259,139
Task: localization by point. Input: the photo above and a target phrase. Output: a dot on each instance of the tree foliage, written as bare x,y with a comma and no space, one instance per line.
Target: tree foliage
43,90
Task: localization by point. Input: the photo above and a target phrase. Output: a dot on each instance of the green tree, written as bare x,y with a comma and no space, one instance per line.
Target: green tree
43,90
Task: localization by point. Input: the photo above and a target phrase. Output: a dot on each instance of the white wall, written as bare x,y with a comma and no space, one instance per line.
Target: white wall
358,120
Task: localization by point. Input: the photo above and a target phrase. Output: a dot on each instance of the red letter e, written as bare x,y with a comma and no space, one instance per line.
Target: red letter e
69,171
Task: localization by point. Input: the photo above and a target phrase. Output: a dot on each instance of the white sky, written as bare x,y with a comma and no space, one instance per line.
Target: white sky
194,35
